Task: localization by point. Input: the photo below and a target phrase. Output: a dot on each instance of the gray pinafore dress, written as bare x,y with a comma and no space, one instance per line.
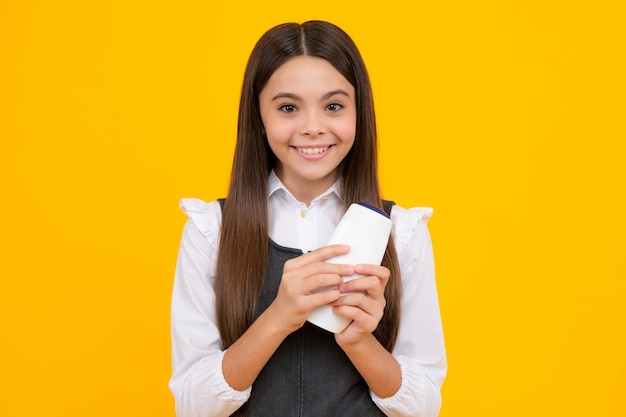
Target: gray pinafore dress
309,375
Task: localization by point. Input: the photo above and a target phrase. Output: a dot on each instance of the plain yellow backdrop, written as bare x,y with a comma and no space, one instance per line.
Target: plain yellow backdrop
508,117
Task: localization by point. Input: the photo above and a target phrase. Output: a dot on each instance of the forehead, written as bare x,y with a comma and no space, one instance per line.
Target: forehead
307,74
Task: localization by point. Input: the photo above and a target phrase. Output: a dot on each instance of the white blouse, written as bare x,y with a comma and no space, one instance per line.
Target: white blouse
197,382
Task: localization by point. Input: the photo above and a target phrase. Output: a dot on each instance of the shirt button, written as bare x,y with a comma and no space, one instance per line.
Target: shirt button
324,199
303,213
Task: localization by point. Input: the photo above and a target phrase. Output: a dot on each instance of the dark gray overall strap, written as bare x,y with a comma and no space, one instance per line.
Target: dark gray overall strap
388,205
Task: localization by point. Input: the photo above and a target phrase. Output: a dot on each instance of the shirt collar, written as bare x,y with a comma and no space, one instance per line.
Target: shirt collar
274,184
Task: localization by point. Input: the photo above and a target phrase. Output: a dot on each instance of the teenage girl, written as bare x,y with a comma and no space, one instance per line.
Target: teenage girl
249,265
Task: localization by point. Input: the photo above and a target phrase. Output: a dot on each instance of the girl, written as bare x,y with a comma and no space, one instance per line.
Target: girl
249,266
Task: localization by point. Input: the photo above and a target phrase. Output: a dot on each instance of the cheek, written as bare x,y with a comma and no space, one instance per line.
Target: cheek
278,137
346,131
277,130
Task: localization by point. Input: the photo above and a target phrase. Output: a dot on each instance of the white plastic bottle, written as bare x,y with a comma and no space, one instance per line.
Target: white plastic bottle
366,229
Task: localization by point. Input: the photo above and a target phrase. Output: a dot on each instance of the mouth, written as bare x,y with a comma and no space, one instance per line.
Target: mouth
313,151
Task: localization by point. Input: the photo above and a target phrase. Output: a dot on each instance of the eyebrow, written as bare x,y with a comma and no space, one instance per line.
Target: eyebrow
324,97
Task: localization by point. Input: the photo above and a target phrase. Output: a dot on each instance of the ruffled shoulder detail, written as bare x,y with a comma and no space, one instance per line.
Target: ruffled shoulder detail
207,217
407,221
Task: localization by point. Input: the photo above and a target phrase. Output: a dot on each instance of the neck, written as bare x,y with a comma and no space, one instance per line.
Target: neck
307,191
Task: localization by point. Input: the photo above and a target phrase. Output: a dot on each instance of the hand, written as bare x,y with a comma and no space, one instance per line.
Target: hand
302,277
365,303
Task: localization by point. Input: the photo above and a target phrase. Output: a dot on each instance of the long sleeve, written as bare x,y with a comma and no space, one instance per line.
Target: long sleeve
420,348
197,381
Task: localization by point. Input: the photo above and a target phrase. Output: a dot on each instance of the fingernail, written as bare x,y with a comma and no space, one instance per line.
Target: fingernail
350,270
358,268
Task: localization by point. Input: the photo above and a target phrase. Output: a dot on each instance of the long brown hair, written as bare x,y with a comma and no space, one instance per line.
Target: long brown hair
242,256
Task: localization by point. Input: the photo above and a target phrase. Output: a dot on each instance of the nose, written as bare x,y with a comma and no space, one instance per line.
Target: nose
312,125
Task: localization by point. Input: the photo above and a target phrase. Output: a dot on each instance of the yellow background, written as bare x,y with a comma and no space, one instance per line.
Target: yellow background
508,117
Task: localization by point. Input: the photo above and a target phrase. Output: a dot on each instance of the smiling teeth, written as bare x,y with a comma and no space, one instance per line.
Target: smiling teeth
312,151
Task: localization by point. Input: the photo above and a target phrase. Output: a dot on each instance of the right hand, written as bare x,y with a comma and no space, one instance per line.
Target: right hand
302,276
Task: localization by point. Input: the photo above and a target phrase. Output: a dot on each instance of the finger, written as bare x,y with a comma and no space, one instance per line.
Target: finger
319,255
361,319
376,270
321,282
372,306
306,303
369,284
323,298
319,268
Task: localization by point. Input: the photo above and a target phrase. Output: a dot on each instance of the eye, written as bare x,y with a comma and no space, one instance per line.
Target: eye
287,108
334,107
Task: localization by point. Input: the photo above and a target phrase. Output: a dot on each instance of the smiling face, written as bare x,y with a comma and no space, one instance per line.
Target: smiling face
308,112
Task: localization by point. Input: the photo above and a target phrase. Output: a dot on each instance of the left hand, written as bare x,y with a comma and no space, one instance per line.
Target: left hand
365,305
